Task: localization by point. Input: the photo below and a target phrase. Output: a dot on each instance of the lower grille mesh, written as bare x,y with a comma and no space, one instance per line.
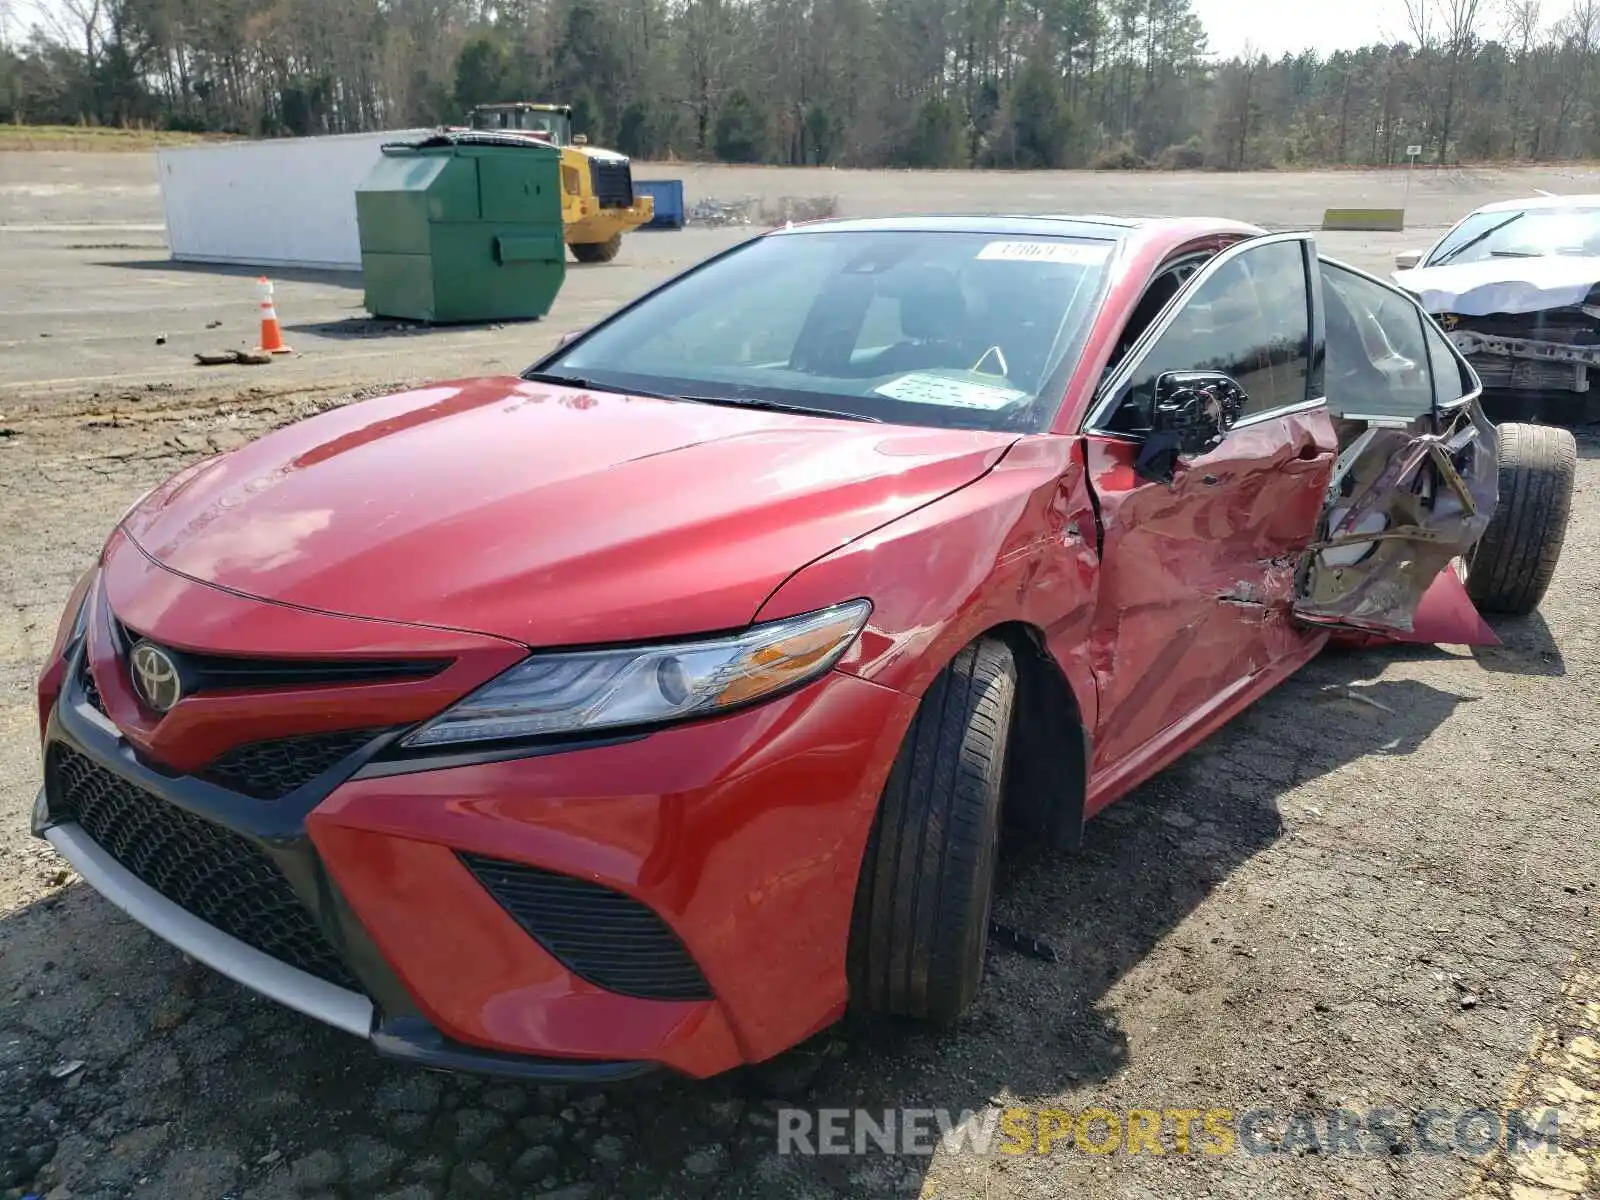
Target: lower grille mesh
271,770
600,935
212,872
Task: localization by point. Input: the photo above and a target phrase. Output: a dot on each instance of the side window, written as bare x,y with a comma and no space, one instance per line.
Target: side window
1450,382
1377,359
1250,320
1157,296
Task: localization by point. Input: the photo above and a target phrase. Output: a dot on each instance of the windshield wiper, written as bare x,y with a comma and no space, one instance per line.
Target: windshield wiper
1475,239
781,406
591,385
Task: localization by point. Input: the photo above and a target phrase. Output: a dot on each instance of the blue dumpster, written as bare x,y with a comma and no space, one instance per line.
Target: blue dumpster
668,195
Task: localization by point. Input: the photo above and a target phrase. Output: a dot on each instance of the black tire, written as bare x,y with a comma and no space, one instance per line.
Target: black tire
1511,567
921,921
597,252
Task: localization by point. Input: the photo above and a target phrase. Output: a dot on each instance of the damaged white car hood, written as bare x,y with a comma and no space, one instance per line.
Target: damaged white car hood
1503,285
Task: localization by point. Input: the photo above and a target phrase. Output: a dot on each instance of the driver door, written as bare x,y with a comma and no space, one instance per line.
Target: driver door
1197,577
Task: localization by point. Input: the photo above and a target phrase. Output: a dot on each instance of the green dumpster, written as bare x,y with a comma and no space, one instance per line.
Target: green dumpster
463,227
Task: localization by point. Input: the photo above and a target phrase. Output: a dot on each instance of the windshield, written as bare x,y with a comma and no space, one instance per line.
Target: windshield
1524,233
524,121
920,328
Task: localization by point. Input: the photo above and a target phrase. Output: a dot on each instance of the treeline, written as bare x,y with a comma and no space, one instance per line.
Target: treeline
921,83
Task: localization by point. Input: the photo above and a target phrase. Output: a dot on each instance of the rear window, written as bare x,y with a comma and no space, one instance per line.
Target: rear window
922,328
1377,363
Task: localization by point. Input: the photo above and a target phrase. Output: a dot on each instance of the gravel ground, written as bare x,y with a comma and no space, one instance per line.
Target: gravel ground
1375,888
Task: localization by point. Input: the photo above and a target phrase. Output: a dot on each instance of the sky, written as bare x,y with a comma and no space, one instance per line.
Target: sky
1271,27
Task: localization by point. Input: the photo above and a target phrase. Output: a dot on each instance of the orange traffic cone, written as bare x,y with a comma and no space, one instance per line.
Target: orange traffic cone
271,331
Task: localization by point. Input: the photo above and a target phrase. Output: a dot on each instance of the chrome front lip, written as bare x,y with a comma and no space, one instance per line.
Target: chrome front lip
244,964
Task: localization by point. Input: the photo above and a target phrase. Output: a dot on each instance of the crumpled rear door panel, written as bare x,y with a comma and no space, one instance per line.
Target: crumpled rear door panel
1405,503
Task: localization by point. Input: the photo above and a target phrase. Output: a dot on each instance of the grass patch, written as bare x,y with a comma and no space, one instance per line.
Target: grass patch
90,137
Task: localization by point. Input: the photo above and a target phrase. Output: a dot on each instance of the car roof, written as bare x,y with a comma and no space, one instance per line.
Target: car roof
1585,201
1157,235
1085,225
1103,228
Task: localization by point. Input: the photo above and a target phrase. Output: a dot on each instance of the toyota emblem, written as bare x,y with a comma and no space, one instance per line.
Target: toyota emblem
155,677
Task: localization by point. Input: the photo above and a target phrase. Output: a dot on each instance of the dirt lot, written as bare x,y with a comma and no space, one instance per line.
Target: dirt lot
1375,889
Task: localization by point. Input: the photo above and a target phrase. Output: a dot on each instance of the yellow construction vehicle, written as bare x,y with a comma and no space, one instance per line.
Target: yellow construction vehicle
597,201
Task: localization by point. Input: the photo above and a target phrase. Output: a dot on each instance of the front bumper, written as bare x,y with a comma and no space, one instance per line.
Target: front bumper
1528,363
593,223
743,835
336,1006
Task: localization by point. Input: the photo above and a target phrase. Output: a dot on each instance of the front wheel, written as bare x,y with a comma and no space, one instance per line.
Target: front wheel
921,921
1512,565
597,252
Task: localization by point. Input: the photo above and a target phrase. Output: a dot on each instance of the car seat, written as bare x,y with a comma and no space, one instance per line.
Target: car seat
934,321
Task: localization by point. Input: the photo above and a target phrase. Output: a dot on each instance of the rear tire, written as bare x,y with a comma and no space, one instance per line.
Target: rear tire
1511,567
597,252
921,921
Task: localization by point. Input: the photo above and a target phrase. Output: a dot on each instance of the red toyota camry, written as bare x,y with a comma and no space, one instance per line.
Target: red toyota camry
652,707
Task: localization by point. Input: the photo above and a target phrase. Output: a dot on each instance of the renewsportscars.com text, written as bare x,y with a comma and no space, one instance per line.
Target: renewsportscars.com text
1207,1131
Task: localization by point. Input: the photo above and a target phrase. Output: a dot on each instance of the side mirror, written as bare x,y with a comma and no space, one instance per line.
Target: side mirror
1407,259
1192,415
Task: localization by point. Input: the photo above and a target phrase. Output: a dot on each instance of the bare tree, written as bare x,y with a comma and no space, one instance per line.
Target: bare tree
862,82
1520,27
1461,20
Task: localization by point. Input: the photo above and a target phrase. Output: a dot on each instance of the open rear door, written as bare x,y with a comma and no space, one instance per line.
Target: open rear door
1415,483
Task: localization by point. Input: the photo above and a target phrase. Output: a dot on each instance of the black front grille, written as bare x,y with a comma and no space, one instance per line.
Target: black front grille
271,770
218,672
214,873
600,935
613,181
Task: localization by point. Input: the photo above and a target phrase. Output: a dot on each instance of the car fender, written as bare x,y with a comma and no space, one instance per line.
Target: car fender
1016,547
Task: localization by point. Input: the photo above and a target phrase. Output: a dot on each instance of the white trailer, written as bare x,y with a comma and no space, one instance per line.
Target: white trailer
288,202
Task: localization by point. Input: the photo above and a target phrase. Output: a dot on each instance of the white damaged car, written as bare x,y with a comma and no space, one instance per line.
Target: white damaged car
1516,286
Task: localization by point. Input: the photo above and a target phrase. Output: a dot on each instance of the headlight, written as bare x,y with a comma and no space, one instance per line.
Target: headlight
592,690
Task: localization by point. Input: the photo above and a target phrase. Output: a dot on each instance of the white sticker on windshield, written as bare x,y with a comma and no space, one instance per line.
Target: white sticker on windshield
951,393
1078,253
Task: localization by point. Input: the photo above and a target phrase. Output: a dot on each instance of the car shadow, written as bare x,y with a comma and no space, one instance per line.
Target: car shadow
1146,864
1527,648
366,328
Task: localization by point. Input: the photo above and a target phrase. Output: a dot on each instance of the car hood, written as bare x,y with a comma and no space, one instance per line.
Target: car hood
1503,285
546,515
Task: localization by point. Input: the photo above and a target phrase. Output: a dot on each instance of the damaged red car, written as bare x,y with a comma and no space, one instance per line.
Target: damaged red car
652,708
